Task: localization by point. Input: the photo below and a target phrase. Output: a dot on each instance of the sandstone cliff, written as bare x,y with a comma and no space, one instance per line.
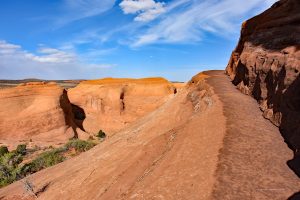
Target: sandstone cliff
37,112
111,104
266,65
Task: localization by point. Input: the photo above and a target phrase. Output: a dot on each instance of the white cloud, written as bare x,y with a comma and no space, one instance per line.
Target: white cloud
47,63
51,55
187,20
6,48
146,10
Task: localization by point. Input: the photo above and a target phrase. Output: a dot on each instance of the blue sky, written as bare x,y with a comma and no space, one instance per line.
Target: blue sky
88,39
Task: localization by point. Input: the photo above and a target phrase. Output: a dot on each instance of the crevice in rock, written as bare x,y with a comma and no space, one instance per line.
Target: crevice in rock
122,103
241,74
256,92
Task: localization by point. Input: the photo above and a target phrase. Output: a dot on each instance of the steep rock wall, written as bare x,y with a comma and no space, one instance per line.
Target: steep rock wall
266,65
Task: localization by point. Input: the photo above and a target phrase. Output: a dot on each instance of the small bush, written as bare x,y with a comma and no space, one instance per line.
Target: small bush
101,135
8,175
12,169
3,150
11,159
80,145
44,160
21,149
9,168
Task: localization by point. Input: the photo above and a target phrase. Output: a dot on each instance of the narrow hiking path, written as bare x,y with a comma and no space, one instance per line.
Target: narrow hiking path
252,162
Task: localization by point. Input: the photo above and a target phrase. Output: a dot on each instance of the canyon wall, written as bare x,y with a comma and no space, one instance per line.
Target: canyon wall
44,114
35,112
111,104
266,65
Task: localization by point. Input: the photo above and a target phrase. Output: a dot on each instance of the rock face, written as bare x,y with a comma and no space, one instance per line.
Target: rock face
112,104
35,111
266,65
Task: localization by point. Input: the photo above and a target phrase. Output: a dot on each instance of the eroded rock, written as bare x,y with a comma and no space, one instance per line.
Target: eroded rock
266,65
35,112
112,104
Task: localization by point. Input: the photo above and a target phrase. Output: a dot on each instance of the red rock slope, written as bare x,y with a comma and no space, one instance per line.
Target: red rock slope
198,145
266,65
35,112
171,153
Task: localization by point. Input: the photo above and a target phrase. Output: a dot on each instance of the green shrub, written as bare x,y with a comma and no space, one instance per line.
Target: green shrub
43,161
8,175
21,149
101,135
3,150
11,159
9,168
80,145
12,170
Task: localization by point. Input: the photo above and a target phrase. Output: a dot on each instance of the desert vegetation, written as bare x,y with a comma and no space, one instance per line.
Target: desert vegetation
101,135
12,167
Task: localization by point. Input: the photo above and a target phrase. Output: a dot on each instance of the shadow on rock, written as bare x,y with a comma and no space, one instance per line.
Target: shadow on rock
79,116
295,196
290,122
294,164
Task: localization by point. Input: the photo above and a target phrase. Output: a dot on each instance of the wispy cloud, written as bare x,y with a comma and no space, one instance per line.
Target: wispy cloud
79,9
45,63
174,22
50,55
6,48
188,20
146,10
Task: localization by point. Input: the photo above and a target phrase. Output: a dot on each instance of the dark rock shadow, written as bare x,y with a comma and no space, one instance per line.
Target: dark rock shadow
79,116
256,92
241,74
294,164
295,196
290,122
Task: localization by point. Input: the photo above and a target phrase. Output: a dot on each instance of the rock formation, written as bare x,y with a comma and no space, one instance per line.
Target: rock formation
37,112
198,145
160,155
112,104
209,141
266,65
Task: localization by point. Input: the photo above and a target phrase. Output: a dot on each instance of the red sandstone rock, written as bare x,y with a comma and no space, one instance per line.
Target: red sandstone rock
35,111
112,104
266,65
171,153
178,151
